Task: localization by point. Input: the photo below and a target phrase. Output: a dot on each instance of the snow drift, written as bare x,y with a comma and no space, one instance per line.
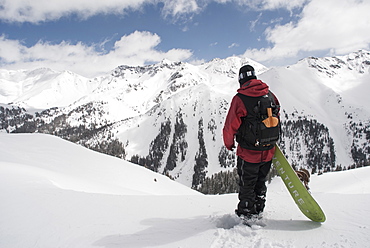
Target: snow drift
58,194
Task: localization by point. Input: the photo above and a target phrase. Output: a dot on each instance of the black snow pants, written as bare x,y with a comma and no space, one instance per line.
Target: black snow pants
252,186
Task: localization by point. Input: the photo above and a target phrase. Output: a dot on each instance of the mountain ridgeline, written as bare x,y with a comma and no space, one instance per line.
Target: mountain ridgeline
169,116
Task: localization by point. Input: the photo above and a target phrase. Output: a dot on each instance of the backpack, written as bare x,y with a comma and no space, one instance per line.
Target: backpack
260,129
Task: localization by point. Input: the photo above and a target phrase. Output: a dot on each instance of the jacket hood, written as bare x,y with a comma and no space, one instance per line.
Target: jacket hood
254,88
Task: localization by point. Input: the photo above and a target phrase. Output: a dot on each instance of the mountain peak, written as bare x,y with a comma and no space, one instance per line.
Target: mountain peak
231,66
168,62
356,62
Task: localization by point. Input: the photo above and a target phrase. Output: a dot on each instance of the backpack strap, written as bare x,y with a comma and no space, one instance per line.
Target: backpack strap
250,103
253,107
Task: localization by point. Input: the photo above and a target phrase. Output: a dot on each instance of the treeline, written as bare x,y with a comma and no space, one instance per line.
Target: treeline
222,182
309,144
92,134
225,182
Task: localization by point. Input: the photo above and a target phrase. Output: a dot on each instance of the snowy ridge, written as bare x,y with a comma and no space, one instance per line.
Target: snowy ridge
57,194
169,116
43,88
72,167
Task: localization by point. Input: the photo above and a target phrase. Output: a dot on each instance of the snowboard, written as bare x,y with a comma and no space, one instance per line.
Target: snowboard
304,200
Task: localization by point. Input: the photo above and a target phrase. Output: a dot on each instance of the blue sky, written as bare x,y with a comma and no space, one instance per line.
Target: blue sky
91,37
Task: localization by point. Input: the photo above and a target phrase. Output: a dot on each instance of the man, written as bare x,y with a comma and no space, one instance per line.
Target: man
253,163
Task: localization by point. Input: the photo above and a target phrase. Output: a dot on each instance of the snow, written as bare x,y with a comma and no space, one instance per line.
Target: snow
43,88
57,194
303,89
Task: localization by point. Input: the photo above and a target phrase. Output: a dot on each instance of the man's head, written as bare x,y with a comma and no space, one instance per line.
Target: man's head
246,73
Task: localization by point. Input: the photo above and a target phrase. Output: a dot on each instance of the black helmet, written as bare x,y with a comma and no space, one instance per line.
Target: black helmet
246,73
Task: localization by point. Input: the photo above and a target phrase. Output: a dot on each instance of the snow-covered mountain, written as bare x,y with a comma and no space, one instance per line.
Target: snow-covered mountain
43,88
57,194
326,100
169,116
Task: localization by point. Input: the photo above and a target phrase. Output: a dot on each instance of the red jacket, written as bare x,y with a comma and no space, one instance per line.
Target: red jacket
233,121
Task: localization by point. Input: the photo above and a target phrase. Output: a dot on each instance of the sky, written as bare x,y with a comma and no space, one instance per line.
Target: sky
92,37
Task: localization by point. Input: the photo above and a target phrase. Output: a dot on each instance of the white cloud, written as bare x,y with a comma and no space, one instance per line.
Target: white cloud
197,61
276,4
338,26
267,4
46,10
253,23
137,48
179,7
233,45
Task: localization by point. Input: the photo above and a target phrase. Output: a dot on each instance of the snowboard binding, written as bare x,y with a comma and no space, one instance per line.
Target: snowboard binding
304,176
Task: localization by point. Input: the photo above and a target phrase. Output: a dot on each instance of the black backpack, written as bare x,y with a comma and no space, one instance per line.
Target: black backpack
260,129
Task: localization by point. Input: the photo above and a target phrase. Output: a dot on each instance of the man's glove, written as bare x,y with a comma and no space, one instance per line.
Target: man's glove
231,148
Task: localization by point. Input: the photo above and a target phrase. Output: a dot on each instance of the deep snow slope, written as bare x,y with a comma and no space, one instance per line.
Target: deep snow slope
57,194
72,167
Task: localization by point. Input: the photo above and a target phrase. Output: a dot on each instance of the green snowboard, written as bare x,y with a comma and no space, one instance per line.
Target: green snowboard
300,194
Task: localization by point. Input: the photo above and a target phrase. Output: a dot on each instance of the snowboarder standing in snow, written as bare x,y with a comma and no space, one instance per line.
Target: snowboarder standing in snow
254,159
